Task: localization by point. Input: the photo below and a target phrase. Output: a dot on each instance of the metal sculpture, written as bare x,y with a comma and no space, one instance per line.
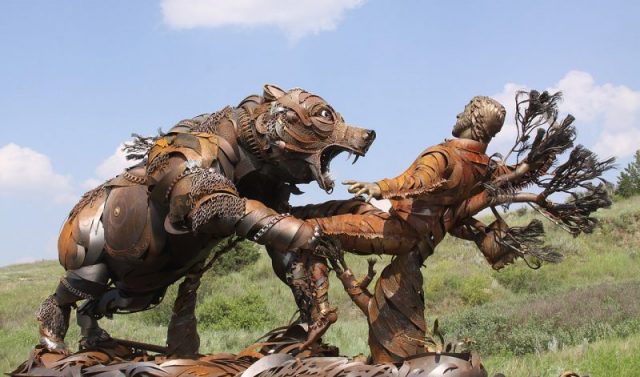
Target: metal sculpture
441,192
208,178
280,354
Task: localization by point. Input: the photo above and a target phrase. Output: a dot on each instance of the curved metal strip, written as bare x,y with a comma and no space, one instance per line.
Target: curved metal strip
266,363
96,238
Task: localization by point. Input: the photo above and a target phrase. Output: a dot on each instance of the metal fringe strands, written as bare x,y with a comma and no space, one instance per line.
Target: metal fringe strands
140,146
529,240
577,172
581,167
574,215
537,113
534,111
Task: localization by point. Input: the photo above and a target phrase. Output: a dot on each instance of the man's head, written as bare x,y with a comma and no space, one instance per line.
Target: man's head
300,133
481,119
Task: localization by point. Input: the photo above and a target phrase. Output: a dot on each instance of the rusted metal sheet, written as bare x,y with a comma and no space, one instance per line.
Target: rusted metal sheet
208,178
279,356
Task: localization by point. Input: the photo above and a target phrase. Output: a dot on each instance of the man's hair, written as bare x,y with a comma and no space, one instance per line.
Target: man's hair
487,116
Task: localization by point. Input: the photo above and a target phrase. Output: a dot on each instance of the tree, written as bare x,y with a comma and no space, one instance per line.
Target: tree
629,179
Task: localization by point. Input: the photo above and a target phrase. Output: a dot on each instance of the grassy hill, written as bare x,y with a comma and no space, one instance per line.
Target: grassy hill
582,314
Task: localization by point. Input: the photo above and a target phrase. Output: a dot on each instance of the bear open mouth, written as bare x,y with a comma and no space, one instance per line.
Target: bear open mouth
328,154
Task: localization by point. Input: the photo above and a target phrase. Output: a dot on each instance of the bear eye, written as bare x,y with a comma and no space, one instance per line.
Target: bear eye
326,113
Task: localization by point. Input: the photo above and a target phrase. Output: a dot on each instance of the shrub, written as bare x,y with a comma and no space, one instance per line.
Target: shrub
537,324
246,312
476,289
244,254
522,279
161,314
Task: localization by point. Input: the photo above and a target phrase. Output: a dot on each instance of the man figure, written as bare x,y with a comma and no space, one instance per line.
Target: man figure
436,195
443,175
424,197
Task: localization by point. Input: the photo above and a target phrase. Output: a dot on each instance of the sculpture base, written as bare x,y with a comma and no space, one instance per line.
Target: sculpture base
278,355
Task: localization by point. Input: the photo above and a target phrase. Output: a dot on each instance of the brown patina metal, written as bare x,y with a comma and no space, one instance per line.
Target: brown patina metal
279,354
441,192
208,178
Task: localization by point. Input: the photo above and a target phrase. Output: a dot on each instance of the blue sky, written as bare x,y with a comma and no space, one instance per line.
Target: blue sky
78,77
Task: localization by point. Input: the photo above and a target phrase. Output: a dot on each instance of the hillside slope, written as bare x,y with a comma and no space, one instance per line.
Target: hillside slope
582,314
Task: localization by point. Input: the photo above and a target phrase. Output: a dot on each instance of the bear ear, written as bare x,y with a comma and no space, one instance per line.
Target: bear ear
272,93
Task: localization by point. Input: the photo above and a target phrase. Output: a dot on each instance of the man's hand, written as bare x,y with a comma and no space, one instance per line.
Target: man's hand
369,190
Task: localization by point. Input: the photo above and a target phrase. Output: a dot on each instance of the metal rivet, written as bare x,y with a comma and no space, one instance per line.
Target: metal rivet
116,212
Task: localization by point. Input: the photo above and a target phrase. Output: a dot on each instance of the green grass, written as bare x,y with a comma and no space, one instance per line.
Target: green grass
611,357
536,324
582,314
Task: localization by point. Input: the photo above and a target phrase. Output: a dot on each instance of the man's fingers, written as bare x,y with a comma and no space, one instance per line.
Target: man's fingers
362,192
356,187
349,182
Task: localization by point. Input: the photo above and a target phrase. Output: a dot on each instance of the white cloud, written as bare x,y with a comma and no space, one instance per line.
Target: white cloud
114,164
614,108
296,18
25,171
620,144
109,168
609,112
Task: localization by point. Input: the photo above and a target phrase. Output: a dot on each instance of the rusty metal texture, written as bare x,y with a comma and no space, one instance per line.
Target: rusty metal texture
441,192
102,364
278,355
232,172
208,178
182,334
424,365
124,219
126,358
